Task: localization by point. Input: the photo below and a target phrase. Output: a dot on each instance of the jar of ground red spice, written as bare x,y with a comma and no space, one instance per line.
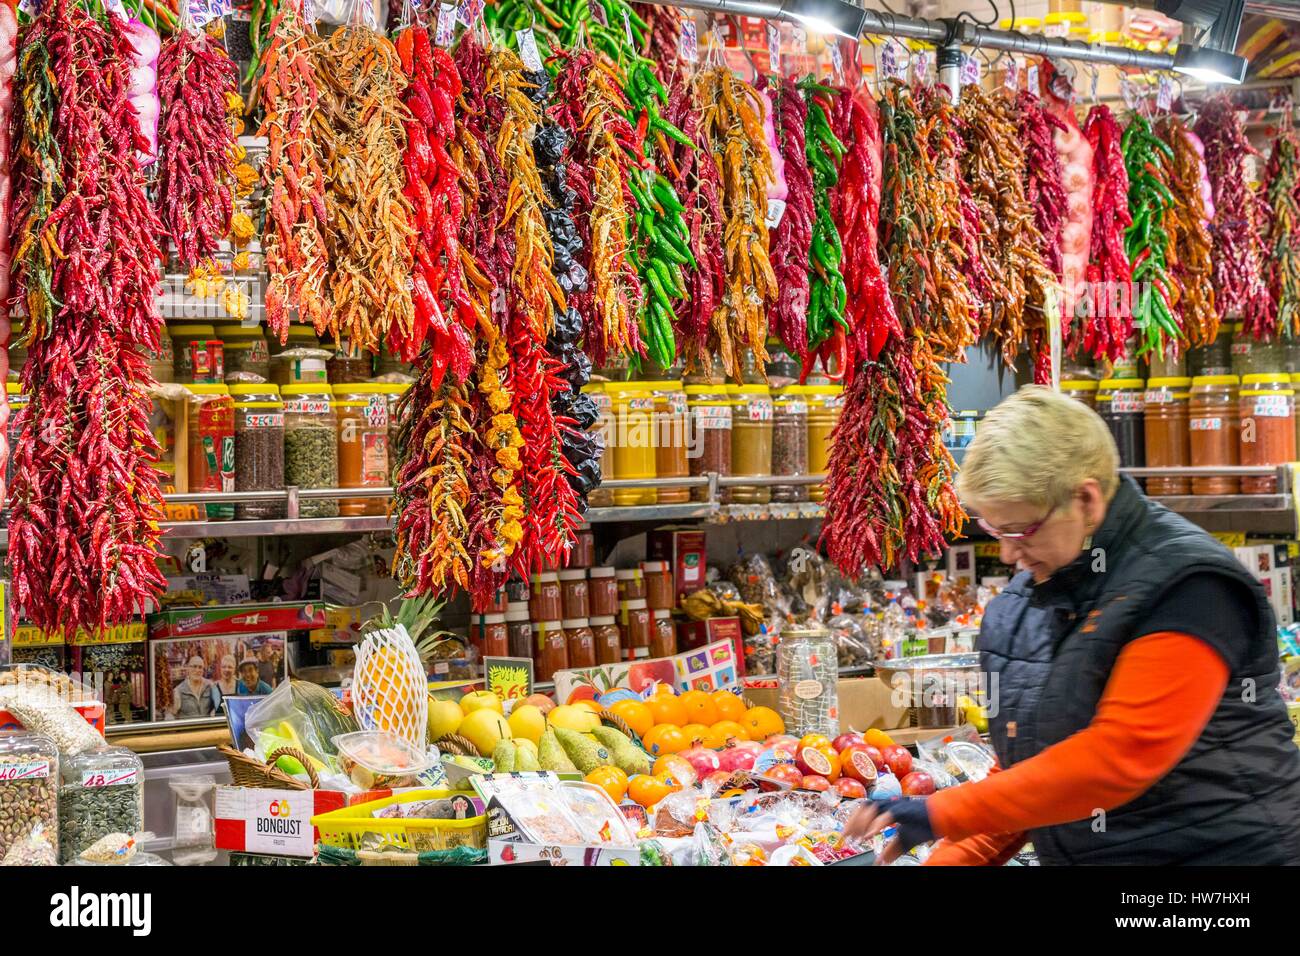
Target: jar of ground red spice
545,603
1214,426
659,590
663,635
519,630
602,592
550,650
574,598
635,622
631,584
1167,439
608,641
1267,406
580,642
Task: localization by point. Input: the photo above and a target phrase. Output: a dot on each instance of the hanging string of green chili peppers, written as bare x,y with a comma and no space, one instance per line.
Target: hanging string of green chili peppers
1147,158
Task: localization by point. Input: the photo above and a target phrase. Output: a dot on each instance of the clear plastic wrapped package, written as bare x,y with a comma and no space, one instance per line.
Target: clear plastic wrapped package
376,758
596,815
29,774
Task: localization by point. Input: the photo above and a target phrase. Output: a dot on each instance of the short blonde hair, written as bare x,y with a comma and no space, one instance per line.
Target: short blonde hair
1037,447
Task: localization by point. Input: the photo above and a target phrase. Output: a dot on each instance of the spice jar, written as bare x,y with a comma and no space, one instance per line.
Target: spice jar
546,602
1121,406
608,641
1212,359
519,630
489,635
669,438
344,367
550,652
1213,422
197,354
259,447
102,792
573,593
710,436
580,642
1165,434
1267,407
634,623
311,450
631,584
1251,356
363,445
602,592
659,591
825,402
583,554
1171,362
751,442
301,360
782,365
210,423
633,436
603,427
1081,390
29,779
790,442
246,352
663,636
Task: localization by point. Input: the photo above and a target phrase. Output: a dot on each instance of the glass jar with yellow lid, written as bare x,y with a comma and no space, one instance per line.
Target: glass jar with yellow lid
1081,390
362,413
1267,409
301,360
1122,409
603,427
1165,433
709,441
247,355
210,429
311,451
669,437
259,447
825,403
1252,356
633,405
751,441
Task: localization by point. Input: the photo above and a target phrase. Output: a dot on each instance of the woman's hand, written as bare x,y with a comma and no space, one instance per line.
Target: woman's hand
909,814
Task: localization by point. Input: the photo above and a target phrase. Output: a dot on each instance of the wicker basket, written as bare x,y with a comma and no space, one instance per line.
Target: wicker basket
619,724
456,745
248,771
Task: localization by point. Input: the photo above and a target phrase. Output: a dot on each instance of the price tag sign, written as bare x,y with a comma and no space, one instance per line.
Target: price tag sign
201,11
1164,93
837,61
800,40
528,49
891,61
921,66
1011,78
115,7
1031,79
446,31
29,7
627,29
1056,30
774,47
371,18
470,11
775,212
1126,90
26,770
688,46
968,73
109,778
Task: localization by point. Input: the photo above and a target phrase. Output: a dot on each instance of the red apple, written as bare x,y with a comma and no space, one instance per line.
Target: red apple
918,783
786,773
813,781
735,758
861,762
850,789
843,740
704,760
898,760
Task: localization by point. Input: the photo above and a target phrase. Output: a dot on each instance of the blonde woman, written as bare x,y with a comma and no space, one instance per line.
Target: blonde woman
1136,711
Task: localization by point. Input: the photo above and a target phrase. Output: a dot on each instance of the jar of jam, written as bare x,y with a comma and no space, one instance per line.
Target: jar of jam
1267,407
602,592
583,554
634,623
631,584
658,584
545,604
1166,437
519,630
663,636
579,640
608,640
489,635
574,602
1081,390
1214,425
710,434
1121,407
550,651
1215,358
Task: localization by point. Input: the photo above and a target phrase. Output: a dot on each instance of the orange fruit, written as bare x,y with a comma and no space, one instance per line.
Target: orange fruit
762,722
610,779
726,730
878,738
667,710
665,739
635,714
647,790
728,705
699,707
819,741
590,705
678,768
701,735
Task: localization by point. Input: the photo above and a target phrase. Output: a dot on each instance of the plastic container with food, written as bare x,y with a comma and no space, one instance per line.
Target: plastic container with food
542,816
595,814
376,758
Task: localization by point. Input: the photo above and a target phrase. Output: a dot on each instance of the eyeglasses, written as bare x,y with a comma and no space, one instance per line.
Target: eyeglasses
1021,535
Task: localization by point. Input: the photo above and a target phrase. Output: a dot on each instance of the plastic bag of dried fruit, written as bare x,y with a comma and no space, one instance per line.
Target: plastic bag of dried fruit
34,849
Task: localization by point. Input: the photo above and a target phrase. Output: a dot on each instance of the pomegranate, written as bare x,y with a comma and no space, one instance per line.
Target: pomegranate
898,760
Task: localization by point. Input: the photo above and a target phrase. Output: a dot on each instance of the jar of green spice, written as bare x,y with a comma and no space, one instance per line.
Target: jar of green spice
311,446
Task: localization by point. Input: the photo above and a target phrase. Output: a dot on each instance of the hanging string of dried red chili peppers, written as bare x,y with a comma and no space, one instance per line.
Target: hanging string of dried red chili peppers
197,173
1045,191
791,240
1239,217
1282,238
85,503
1108,314
1190,263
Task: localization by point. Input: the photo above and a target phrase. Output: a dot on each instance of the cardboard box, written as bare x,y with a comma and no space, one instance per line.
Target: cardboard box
711,667
693,634
221,620
686,553
257,820
864,702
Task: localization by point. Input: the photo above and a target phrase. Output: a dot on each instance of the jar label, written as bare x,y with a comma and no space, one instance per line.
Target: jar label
267,420
808,689
1126,404
1206,424
760,409
713,416
258,351
25,770
795,408
1272,406
374,458
110,778
304,406
1160,397
640,404
1240,348
377,412
677,403
834,401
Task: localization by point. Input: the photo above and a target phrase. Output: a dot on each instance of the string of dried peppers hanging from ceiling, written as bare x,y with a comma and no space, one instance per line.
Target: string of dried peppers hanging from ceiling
827,291
1282,237
1147,159
1107,306
1190,264
791,241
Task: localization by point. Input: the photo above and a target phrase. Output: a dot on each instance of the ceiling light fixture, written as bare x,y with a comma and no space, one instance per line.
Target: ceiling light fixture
827,17
1209,54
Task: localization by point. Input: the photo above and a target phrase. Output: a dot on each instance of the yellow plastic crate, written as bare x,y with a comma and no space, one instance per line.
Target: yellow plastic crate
354,828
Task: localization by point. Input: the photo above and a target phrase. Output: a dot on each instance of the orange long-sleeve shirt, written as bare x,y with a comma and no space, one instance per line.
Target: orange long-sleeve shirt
1161,693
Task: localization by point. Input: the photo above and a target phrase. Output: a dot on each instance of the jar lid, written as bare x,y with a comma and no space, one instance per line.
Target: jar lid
204,388
636,604
517,611
628,574
1177,381
259,405
793,633
719,389
1080,384
1214,380
1265,378
600,572
547,626
1238,327
542,576
663,612
574,574
751,389
654,567
1256,392
594,387
572,623
256,388
636,653
305,388
662,386
302,332
604,620
359,388
177,330
1115,383
13,388
626,387
349,404
821,389
240,331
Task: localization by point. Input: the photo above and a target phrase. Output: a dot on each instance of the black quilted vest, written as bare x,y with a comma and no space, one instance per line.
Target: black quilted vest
1235,797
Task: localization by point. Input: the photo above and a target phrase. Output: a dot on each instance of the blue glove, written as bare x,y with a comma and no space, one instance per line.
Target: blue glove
912,818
